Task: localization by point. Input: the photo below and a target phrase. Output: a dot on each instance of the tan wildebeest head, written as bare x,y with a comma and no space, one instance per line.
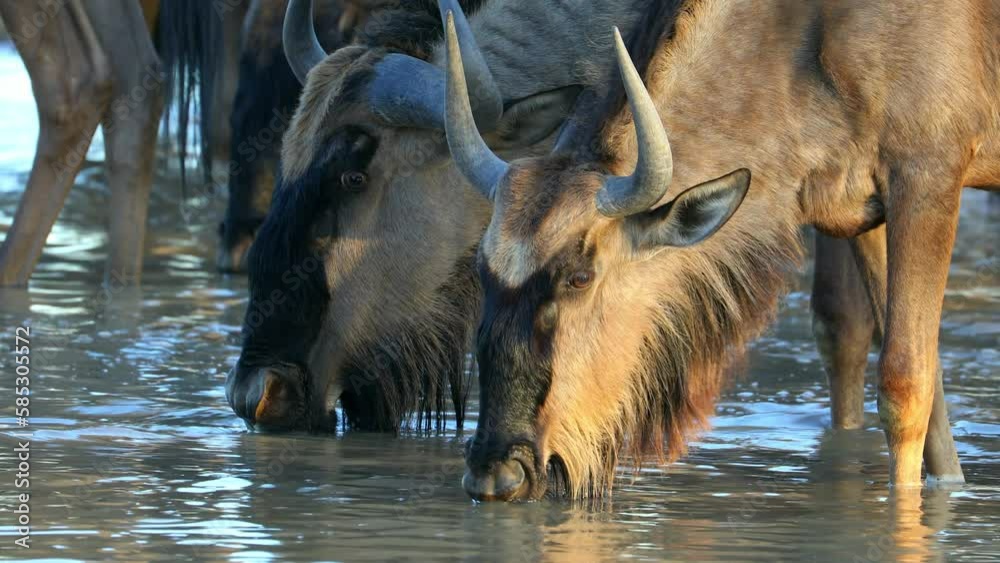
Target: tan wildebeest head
587,345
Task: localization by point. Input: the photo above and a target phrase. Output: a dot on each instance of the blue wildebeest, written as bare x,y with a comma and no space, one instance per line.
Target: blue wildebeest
397,268
384,316
616,293
94,63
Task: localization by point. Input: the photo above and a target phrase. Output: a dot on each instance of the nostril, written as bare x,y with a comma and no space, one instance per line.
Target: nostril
264,398
273,398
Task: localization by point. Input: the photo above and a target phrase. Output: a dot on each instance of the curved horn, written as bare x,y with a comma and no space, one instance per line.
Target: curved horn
627,195
487,102
409,92
302,48
472,156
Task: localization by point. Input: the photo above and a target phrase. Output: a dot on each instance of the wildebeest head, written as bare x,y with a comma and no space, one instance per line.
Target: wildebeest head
393,304
580,352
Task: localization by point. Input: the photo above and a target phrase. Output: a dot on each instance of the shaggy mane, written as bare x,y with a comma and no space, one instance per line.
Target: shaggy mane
724,292
403,376
726,297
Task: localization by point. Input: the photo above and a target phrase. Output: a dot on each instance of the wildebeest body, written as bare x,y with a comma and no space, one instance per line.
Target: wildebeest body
847,114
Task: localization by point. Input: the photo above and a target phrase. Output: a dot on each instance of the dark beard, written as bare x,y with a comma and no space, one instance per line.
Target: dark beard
404,380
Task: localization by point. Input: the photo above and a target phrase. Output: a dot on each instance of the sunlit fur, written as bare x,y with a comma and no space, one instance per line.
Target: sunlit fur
805,95
668,329
396,269
638,363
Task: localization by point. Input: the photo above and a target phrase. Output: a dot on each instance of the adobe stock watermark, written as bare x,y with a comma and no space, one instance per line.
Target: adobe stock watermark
31,24
248,151
120,112
752,505
23,339
287,456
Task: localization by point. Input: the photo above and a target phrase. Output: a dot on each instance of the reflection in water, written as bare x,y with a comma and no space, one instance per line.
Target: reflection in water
136,456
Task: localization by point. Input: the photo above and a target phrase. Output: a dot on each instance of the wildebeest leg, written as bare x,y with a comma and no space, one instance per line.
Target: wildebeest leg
71,80
917,253
843,326
130,129
226,80
940,453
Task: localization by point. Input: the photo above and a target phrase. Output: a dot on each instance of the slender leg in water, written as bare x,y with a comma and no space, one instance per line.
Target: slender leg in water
226,79
906,271
130,129
71,79
843,325
940,454
843,331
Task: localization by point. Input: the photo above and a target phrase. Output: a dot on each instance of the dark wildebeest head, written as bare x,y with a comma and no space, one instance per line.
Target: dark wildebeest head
606,320
266,93
372,251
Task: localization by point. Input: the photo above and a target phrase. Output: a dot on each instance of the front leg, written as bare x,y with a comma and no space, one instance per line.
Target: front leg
71,79
940,454
921,221
848,312
130,130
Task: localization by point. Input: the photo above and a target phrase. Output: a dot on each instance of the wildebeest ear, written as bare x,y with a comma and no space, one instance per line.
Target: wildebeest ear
692,216
530,120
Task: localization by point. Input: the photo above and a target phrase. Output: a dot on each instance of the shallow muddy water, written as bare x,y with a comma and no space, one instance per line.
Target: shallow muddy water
136,456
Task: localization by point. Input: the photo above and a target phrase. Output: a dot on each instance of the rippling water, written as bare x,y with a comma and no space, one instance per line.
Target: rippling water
135,455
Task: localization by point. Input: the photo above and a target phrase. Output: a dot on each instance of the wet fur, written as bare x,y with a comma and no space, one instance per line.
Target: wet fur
406,376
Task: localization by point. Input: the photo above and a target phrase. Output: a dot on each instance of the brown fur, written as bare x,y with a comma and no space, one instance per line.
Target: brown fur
399,239
846,112
668,328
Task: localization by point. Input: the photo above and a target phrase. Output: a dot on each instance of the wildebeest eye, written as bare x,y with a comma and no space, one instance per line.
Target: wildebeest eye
354,180
581,279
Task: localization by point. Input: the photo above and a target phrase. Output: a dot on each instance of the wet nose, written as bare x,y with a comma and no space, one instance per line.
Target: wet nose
265,399
505,481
